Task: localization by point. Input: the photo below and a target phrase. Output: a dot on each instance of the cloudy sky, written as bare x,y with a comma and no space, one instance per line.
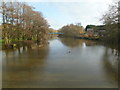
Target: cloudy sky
61,12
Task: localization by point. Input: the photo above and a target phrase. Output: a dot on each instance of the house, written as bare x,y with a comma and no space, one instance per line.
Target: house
101,32
90,31
93,30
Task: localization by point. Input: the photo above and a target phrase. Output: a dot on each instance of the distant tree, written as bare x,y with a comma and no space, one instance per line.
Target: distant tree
51,30
72,30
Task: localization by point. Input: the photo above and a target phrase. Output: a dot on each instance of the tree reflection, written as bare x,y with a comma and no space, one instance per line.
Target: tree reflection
71,42
110,67
24,65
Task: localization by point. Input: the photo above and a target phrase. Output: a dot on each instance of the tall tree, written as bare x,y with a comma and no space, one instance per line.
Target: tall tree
20,21
111,20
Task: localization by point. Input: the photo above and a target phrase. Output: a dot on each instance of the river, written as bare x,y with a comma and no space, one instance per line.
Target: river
64,63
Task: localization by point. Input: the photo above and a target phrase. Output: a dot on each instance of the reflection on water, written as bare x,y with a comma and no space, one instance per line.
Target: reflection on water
63,63
84,45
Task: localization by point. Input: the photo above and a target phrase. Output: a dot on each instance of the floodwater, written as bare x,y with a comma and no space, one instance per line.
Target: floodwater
64,63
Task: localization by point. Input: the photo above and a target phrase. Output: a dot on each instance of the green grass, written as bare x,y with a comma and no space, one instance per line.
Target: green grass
15,40
1,41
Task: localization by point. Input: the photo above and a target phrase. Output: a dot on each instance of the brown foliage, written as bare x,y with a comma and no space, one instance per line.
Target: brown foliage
21,21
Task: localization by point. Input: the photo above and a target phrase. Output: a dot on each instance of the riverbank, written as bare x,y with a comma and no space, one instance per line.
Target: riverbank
78,37
112,45
20,43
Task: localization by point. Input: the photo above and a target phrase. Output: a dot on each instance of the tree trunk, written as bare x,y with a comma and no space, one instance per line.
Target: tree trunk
6,40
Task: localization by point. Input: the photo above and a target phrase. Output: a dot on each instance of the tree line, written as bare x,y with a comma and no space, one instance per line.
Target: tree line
21,22
111,20
111,25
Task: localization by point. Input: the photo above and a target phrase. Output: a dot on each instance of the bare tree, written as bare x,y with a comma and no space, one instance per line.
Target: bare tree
111,21
21,22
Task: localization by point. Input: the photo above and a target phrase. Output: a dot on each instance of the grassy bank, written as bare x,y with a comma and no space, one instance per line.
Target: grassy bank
1,41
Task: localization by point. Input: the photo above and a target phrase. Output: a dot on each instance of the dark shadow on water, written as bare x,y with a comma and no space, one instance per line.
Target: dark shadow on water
111,66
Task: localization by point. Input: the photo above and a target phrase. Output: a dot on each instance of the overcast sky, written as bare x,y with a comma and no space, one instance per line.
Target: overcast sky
61,12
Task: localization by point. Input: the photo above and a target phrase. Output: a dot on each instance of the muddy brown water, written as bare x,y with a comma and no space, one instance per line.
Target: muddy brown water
64,63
